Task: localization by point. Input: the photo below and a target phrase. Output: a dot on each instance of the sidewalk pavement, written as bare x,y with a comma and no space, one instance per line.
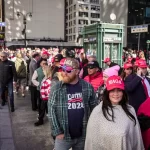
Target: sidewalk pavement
6,138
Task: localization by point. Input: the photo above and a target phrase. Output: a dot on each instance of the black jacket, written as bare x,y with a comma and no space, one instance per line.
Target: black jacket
7,72
135,90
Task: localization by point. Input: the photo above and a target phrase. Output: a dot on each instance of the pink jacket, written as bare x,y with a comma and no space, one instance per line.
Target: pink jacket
96,80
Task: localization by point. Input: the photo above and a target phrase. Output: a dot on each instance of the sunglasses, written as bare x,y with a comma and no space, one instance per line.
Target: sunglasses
91,67
67,69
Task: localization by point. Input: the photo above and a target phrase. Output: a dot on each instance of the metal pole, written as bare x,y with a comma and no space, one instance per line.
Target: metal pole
139,41
25,36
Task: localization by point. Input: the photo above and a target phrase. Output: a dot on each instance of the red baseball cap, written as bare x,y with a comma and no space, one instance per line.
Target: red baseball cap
45,53
106,60
127,65
114,82
142,63
62,61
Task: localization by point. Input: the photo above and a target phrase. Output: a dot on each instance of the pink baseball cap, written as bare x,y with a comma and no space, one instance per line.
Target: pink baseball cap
127,65
114,82
142,63
106,60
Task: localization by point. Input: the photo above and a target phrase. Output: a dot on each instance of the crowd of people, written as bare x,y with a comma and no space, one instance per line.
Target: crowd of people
89,107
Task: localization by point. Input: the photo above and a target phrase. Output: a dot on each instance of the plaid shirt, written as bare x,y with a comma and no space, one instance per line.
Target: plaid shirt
58,108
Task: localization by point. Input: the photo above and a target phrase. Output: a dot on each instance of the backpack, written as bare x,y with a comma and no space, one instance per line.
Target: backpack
22,71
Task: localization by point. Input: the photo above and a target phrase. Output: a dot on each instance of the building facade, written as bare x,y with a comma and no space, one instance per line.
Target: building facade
78,14
138,14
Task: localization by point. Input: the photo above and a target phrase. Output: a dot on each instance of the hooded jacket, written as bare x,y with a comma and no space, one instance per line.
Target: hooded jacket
96,80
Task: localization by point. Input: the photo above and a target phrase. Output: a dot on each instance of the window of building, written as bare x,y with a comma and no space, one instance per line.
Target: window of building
74,22
74,7
94,1
74,14
70,2
95,8
83,7
74,37
83,14
84,1
92,22
95,15
74,30
83,22
80,29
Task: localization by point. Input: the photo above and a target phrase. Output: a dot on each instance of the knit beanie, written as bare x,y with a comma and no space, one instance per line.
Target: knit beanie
112,71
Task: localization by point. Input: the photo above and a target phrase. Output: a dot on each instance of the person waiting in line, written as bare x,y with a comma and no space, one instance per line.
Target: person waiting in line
21,68
137,85
127,70
37,78
106,74
95,76
144,120
113,124
32,67
109,63
44,91
70,104
84,70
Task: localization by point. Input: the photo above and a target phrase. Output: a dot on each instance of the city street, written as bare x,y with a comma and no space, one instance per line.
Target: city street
25,135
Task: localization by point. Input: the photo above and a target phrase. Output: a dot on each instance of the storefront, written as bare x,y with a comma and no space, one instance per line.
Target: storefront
104,40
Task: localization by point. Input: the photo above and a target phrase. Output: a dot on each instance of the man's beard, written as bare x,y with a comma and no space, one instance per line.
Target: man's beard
67,79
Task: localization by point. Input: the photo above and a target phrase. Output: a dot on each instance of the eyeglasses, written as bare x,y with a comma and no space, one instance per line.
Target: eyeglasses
67,69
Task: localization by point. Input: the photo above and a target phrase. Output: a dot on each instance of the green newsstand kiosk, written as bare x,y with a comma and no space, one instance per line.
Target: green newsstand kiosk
104,40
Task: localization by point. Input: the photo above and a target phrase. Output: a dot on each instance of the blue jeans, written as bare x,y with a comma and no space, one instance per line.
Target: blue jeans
10,93
75,144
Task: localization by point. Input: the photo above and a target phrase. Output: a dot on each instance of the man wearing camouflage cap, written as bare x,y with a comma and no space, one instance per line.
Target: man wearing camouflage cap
70,104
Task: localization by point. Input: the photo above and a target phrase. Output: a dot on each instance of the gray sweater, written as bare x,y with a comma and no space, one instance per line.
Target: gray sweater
107,135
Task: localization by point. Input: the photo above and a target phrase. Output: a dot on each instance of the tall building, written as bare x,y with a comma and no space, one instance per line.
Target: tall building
138,14
78,14
2,27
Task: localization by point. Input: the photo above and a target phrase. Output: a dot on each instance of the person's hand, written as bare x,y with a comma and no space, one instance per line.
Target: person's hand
139,72
60,136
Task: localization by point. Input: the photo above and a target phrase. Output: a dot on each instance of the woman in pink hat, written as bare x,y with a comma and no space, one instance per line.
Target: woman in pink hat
106,74
113,124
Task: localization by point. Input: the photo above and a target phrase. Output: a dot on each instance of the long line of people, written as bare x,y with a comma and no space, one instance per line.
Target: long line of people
117,97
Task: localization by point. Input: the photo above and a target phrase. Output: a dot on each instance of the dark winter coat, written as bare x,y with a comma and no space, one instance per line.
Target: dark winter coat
7,72
135,90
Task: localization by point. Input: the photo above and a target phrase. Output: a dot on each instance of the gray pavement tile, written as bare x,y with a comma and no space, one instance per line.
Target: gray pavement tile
7,144
5,132
5,120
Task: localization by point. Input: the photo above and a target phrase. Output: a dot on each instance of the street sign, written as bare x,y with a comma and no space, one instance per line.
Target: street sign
139,29
112,39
